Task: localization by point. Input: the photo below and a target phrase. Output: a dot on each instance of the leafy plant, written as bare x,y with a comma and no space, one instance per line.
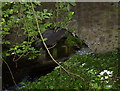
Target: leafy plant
18,18
91,67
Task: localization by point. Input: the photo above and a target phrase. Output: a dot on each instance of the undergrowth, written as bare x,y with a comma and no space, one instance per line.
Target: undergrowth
100,71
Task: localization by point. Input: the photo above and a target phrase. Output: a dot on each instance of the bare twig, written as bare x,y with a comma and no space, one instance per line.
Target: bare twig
52,46
10,73
47,47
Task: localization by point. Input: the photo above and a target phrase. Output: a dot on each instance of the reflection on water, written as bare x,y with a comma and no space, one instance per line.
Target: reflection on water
31,70
61,54
84,51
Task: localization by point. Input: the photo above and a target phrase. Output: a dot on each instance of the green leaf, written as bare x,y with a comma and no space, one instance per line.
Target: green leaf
72,13
6,15
37,3
19,51
7,54
73,3
44,39
45,10
51,87
98,75
46,16
10,11
6,42
29,17
47,24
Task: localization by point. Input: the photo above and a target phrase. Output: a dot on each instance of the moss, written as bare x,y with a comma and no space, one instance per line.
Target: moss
73,41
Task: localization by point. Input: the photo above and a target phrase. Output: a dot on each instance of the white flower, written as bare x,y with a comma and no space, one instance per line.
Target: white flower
101,73
106,77
87,69
109,86
105,71
110,75
102,78
108,72
107,81
83,64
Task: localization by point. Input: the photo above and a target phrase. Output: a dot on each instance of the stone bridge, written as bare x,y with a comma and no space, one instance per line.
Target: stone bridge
98,25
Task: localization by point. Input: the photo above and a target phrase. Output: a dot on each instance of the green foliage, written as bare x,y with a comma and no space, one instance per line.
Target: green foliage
26,49
18,16
98,71
62,14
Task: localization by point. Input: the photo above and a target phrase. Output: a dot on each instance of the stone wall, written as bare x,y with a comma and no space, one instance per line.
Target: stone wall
97,25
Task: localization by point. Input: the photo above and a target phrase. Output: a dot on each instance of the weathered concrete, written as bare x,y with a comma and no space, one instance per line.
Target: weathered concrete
97,25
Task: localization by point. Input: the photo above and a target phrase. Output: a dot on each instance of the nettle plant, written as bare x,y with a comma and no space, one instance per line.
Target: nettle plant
19,16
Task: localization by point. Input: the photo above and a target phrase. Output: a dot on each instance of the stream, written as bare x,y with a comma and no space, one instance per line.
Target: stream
36,69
